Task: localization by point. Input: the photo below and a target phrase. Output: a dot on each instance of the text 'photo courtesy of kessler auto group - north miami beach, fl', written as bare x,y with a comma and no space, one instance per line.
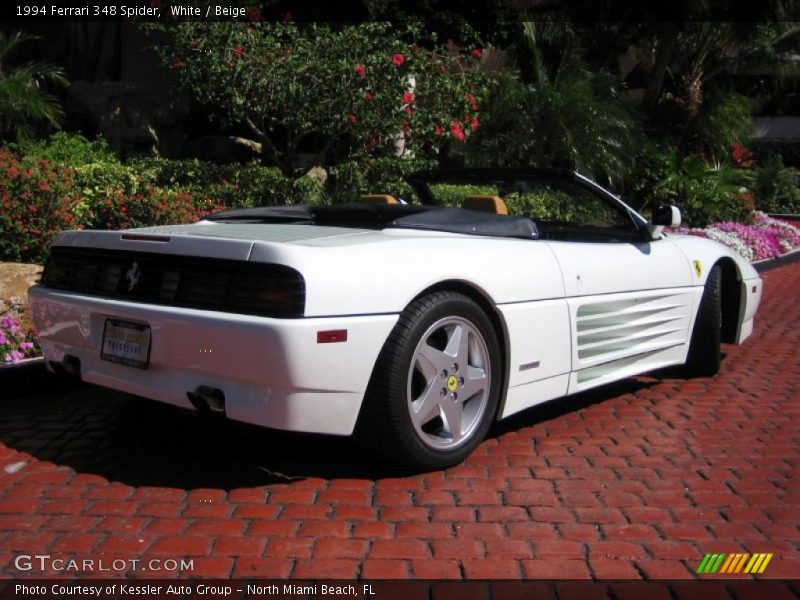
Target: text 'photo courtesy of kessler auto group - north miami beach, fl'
399,300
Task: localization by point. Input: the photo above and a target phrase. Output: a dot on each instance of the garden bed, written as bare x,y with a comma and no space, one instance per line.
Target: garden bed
16,335
763,239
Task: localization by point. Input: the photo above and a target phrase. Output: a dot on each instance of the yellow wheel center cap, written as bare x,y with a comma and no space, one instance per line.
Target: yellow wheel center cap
452,383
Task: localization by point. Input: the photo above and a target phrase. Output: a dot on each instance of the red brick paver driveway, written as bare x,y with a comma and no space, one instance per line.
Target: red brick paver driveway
635,480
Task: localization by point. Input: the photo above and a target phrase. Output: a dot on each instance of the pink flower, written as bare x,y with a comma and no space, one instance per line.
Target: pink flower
477,53
398,59
352,118
408,98
457,132
360,70
474,123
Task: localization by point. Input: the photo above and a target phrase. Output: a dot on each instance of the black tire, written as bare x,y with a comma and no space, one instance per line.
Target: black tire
386,427
704,349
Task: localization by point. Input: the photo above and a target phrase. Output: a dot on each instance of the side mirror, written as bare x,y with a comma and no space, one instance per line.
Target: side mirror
666,215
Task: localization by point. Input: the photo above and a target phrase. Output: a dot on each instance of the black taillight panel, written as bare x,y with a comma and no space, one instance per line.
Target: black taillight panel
240,287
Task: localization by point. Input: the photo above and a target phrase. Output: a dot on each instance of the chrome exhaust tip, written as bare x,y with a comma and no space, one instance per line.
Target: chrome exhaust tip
208,400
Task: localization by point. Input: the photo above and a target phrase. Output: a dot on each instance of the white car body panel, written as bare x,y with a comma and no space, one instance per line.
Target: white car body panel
573,315
273,371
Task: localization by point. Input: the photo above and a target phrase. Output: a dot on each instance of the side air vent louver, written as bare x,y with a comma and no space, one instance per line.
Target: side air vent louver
192,282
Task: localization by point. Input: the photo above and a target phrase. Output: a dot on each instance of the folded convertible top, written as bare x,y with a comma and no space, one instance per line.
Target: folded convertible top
380,216
459,220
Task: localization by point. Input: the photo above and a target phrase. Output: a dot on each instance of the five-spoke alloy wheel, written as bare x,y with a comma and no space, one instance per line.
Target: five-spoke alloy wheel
436,384
448,383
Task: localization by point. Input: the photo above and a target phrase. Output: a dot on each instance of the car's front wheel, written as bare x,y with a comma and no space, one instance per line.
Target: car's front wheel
704,349
436,384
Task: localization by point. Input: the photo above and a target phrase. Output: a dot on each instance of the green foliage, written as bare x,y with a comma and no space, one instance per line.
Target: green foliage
722,122
777,187
346,92
23,102
232,185
70,149
454,195
349,180
787,150
567,116
705,194
38,199
554,205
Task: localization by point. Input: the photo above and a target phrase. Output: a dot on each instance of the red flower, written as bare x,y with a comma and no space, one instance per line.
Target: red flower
408,98
238,52
457,132
474,123
352,118
438,130
254,13
473,103
360,70
398,59
407,110
741,156
406,127
368,95
442,69
177,63
477,53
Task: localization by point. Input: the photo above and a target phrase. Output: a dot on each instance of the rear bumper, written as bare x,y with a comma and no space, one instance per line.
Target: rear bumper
272,371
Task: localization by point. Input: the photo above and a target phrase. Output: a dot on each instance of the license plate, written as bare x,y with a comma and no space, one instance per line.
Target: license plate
126,343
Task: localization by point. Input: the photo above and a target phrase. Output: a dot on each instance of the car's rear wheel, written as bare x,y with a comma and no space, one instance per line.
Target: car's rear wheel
436,384
704,349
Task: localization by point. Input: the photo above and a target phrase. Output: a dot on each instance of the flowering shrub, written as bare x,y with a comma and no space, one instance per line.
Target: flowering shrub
344,92
150,206
15,344
764,238
37,200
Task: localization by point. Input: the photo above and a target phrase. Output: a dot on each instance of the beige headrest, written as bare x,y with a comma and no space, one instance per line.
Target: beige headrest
493,204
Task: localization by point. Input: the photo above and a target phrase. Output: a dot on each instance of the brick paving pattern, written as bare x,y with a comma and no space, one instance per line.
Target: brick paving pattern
635,480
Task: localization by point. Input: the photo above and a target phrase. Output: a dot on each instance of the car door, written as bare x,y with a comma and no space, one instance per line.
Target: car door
630,299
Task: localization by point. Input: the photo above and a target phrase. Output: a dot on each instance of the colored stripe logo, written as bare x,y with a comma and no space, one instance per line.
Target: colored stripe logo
734,563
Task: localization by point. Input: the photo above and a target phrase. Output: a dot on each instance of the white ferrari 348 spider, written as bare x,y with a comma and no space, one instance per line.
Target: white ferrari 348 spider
406,323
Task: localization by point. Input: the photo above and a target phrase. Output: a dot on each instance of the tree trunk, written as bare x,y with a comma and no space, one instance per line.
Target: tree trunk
655,82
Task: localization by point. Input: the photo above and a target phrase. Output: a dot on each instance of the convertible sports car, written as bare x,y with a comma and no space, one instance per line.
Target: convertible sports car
407,323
